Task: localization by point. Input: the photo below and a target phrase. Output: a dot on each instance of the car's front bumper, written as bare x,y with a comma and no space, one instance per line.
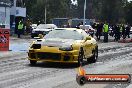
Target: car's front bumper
55,61
58,56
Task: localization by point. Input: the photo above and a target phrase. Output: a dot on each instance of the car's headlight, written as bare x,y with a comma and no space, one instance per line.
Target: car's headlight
70,48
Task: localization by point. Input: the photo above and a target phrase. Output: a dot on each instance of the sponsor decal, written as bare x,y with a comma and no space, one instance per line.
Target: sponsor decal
83,78
4,39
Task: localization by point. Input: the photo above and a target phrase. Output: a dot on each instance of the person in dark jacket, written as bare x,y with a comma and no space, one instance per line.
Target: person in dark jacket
128,31
117,32
123,32
99,31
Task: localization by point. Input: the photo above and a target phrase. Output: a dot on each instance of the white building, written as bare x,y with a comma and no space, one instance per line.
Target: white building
11,12
5,14
17,12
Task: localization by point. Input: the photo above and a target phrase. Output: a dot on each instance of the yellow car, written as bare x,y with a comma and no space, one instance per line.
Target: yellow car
64,45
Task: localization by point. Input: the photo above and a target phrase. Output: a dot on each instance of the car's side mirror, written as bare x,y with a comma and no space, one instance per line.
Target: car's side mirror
87,38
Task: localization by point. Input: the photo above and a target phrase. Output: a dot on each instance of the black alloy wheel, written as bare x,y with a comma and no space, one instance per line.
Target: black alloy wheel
94,58
80,57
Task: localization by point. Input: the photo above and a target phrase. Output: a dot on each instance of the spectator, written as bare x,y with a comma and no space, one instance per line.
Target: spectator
105,31
99,31
128,31
117,33
20,29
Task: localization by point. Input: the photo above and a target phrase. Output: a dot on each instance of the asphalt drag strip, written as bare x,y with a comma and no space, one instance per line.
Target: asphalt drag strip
17,73
118,61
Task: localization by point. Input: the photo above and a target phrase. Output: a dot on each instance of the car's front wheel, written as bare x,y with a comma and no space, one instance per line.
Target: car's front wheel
32,62
80,57
94,58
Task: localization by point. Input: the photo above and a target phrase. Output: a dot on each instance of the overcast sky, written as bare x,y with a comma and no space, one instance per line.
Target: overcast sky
75,2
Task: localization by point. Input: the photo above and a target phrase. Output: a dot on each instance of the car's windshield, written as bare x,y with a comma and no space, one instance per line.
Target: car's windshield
44,26
65,34
41,27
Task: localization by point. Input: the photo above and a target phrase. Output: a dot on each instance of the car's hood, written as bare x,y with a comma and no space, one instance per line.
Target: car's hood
56,42
42,29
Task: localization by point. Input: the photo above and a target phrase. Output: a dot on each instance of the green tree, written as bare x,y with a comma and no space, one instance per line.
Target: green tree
111,11
55,9
128,12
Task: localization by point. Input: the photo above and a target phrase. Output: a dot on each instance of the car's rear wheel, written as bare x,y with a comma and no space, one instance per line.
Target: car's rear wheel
94,58
32,62
80,57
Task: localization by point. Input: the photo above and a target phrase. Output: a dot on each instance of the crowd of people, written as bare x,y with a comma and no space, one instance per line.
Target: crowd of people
117,31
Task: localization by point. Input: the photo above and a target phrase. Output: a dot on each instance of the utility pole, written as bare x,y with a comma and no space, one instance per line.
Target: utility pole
45,14
14,23
45,11
14,7
5,16
84,14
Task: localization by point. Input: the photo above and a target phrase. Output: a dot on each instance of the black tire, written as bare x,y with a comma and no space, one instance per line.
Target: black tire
94,58
80,57
32,62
